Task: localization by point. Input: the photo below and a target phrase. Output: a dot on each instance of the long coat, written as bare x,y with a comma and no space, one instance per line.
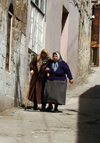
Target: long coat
37,81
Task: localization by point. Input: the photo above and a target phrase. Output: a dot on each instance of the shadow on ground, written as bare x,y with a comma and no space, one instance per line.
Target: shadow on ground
89,116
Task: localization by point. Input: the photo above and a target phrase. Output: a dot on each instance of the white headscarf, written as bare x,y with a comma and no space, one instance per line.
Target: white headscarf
58,55
55,65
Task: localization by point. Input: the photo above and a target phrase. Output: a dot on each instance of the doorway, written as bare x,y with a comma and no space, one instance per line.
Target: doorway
95,38
95,56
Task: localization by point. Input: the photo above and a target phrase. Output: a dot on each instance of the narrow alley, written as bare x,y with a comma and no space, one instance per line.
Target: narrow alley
78,121
43,42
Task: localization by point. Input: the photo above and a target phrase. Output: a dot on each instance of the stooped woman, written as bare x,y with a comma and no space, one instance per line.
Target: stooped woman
56,84
37,71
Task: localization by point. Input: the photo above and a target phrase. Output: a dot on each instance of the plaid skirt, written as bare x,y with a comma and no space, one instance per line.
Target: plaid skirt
55,91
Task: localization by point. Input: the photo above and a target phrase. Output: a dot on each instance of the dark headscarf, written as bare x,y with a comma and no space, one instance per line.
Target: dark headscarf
40,62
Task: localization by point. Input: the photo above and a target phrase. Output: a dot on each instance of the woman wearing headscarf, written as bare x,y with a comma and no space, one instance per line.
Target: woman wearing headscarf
37,71
56,84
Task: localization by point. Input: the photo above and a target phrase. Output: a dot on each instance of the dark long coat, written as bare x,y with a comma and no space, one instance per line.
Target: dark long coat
37,81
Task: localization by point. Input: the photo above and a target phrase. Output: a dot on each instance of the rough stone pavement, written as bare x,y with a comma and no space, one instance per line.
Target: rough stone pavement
79,121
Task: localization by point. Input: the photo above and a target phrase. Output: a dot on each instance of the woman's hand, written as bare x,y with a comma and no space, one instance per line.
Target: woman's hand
48,74
71,81
31,72
47,69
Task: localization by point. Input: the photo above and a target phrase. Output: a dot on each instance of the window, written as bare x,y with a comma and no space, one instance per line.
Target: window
94,1
31,54
9,38
36,32
40,4
37,2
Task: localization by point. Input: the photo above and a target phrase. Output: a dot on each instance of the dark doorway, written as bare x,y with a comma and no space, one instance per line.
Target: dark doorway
95,36
95,56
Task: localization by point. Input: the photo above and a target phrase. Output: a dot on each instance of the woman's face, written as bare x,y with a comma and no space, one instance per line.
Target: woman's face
43,55
55,58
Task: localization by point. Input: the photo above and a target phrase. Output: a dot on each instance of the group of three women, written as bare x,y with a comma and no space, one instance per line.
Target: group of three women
48,80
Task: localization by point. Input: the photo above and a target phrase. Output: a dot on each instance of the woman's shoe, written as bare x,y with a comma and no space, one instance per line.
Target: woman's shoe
25,108
43,109
49,108
35,107
56,110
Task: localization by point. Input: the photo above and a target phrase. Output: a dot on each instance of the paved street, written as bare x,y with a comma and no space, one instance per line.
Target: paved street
79,121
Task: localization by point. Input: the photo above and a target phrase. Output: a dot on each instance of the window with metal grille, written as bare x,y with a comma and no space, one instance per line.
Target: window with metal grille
40,4
94,1
37,31
37,2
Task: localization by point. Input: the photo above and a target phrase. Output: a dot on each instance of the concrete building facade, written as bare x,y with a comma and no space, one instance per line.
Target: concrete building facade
21,33
13,21
22,36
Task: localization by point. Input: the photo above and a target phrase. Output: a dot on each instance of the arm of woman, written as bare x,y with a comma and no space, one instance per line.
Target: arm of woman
48,68
71,81
68,72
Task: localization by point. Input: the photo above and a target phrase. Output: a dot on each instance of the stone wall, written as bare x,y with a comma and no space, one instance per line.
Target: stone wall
85,13
12,81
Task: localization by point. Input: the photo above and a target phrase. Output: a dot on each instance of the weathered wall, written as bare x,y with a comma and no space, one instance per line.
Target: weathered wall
84,40
12,82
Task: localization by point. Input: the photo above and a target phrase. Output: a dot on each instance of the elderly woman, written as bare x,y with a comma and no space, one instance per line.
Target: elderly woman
37,71
56,84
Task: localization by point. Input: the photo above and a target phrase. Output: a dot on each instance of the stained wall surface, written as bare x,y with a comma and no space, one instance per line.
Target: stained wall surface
12,80
84,44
